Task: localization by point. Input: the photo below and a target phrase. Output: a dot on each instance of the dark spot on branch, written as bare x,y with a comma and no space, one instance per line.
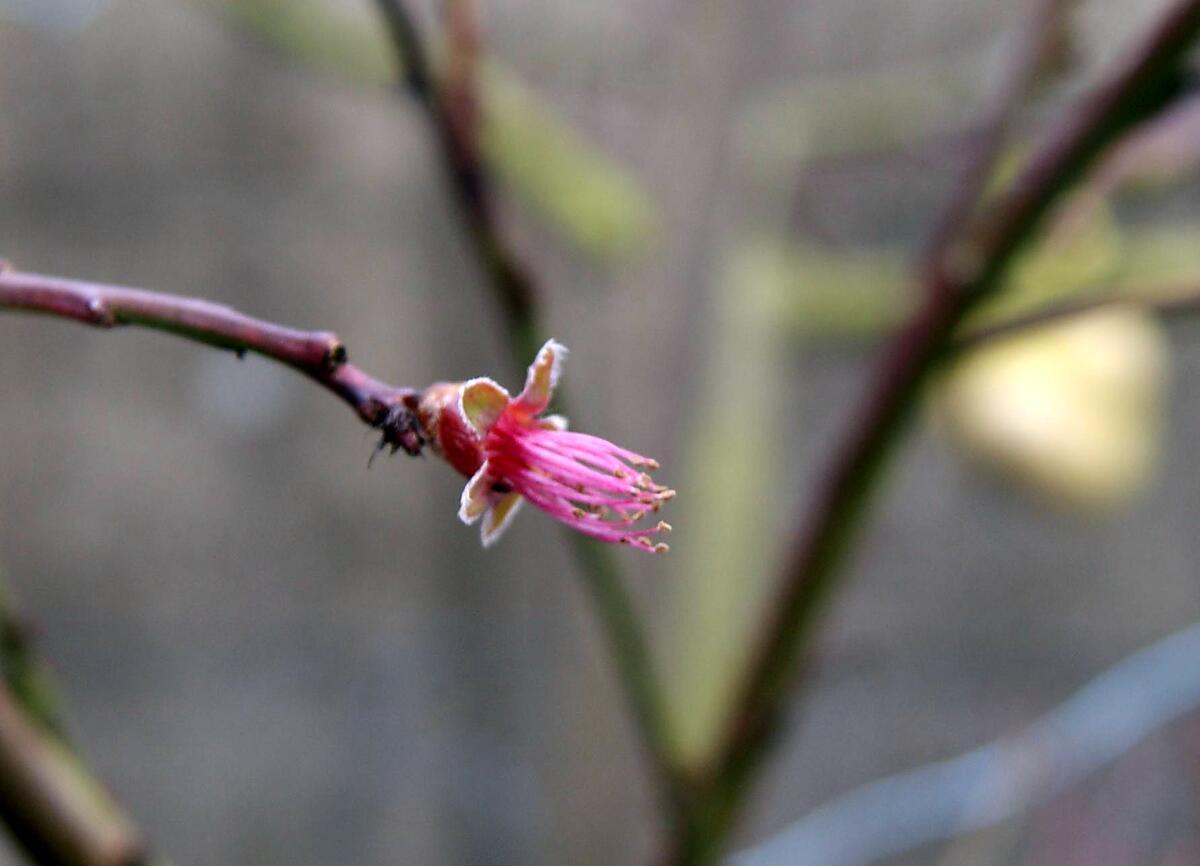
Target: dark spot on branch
336,355
399,430
101,314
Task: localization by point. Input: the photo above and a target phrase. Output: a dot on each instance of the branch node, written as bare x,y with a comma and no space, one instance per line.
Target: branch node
335,354
100,314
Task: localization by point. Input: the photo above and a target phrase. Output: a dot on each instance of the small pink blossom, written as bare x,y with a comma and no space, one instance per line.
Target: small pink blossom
512,452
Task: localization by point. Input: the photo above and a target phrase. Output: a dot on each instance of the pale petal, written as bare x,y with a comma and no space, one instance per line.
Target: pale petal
543,376
475,496
553,422
498,518
482,402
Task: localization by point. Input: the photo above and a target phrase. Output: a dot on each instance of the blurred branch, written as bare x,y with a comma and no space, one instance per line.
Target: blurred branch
451,107
1034,42
579,190
1184,300
49,802
27,676
1100,722
450,116
460,86
317,354
975,261
53,808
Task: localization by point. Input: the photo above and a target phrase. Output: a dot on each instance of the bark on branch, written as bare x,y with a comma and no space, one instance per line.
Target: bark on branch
319,355
967,267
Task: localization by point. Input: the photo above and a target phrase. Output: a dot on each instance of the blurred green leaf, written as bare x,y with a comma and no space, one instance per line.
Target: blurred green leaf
27,677
582,193
336,38
1160,255
723,551
854,113
1080,254
824,291
859,292
598,204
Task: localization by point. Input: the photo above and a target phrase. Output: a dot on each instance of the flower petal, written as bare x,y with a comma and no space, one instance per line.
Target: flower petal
553,422
542,377
482,402
498,518
475,496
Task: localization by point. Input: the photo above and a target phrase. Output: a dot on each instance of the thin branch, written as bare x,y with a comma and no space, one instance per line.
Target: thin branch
1034,40
460,87
1181,300
1100,722
454,113
27,677
52,807
49,802
1138,87
319,355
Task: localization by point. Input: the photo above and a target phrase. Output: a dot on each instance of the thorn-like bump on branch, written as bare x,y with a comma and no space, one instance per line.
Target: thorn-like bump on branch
101,314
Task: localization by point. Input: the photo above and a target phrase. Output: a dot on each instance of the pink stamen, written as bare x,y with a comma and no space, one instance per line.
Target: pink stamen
584,481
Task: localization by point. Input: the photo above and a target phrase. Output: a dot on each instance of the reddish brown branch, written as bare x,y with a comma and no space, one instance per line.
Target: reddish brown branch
319,355
1035,40
452,105
1137,88
455,116
47,800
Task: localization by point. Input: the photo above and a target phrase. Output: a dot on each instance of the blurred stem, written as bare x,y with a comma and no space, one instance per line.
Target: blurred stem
49,801
51,805
451,105
721,575
1179,300
1035,40
449,115
27,677
969,266
631,655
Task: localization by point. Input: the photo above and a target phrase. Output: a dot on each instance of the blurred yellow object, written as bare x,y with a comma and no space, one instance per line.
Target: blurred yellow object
1072,409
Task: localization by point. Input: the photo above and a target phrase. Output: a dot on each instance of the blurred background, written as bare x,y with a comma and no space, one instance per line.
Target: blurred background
273,654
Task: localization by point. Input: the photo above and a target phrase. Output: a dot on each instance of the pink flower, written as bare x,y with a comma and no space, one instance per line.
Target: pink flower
512,452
